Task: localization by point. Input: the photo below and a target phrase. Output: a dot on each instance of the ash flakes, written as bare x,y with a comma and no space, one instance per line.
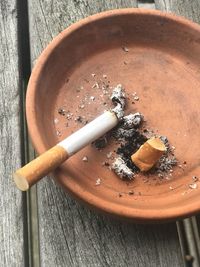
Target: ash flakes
81,106
109,155
131,136
121,169
118,98
79,119
195,178
85,159
125,49
95,85
66,113
166,163
98,181
130,145
168,160
132,120
193,186
100,143
58,133
56,121
62,111
135,96
120,133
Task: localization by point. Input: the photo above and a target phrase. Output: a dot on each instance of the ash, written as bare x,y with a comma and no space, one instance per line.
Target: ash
120,168
130,140
100,143
132,120
128,126
168,160
130,145
166,163
118,98
121,134
130,136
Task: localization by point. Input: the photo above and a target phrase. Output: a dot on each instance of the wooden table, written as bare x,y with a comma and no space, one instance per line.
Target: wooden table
45,227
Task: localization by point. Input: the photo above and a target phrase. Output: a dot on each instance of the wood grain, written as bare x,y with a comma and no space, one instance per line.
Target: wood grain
187,8
71,235
11,222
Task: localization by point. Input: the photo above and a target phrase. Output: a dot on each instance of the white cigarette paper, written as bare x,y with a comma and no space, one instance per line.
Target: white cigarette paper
89,132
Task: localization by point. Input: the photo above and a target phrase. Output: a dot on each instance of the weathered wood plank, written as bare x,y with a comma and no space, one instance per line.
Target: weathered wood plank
85,239
71,235
147,4
11,225
48,18
187,8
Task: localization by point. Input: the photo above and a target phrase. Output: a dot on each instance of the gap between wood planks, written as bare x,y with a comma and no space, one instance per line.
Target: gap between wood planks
187,229
31,233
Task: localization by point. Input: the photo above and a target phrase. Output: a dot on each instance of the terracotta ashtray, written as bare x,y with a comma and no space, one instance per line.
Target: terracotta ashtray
154,54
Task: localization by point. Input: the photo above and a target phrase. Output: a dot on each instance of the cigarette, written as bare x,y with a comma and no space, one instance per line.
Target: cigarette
148,154
31,173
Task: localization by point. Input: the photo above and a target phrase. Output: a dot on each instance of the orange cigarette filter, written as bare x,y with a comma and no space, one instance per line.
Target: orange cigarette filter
148,154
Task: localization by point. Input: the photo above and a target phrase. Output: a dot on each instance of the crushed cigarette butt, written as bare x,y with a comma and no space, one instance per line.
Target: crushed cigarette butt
148,154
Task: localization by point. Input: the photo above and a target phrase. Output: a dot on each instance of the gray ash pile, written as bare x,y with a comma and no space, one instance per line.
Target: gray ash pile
130,141
130,135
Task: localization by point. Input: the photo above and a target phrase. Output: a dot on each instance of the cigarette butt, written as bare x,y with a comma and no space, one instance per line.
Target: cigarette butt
31,173
148,154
